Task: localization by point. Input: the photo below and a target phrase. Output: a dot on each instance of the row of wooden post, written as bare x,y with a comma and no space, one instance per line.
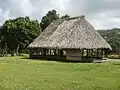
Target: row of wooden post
45,52
55,52
97,53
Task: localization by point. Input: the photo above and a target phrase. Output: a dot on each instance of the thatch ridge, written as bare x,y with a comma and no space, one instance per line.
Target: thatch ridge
72,33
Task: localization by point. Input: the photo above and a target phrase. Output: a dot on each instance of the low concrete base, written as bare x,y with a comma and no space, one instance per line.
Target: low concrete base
74,58
74,55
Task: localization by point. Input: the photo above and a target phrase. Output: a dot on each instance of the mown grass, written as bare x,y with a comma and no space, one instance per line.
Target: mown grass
24,74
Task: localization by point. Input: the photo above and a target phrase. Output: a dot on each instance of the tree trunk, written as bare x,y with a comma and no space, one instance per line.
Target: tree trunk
54,52
12,53
17,50
5,50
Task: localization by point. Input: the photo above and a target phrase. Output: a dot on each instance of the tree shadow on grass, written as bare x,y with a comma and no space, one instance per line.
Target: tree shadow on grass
117,64
59,59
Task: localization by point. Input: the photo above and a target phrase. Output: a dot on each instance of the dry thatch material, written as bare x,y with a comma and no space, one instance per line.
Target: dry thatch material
72,33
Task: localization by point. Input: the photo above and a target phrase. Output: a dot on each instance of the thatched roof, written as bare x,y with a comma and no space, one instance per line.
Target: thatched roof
72,33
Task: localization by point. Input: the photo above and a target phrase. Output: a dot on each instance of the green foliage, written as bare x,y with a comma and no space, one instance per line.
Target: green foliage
112,36
48,18
65,16
18,33
22,74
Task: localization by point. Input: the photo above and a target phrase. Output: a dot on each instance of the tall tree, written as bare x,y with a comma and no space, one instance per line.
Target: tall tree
48,18
19,32
3,45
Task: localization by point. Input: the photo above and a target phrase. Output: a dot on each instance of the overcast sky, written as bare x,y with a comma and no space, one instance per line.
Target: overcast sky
100,13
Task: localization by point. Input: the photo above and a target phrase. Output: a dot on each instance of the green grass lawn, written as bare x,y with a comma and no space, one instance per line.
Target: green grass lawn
24,74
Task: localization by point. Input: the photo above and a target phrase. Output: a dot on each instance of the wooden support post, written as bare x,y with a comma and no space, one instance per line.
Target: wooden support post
61,52
106,54
58,52
102,53
54,52
50,52
82,51
30,53
92,52
87,52
38,51
97,52
44,52
47,51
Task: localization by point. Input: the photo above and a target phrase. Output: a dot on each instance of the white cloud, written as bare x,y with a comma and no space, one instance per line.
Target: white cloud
105,20
101,13
4,16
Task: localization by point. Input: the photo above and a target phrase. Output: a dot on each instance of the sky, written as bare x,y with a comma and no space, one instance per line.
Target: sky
102,14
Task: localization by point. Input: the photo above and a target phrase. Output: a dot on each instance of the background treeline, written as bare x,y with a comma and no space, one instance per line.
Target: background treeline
112,36
16,34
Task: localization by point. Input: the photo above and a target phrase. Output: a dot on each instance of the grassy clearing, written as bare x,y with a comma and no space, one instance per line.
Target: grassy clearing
23,74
